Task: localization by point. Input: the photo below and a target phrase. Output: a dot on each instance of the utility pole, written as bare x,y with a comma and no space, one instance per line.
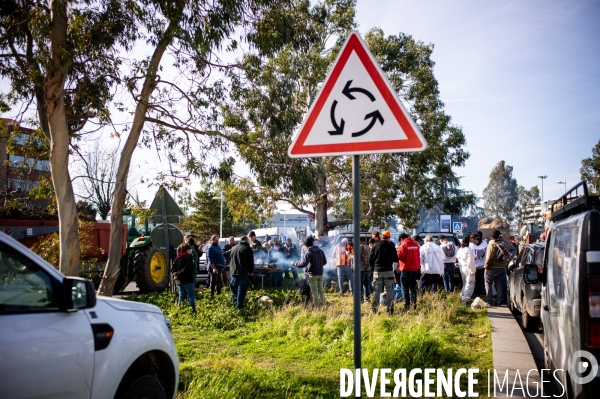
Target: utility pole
542,204
564,182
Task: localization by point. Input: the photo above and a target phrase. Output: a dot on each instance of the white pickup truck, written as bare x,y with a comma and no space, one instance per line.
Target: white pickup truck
57,340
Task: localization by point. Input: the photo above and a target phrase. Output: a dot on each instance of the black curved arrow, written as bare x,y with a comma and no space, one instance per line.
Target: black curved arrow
375,115
348,91
338,129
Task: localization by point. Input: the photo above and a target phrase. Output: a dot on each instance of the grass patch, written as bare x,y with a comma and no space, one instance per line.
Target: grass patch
292,352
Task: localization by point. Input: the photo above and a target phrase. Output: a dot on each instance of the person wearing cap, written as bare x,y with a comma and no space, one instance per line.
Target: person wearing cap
242,265
449,262
409,263
498,256
314,261
342,254
381,258
432,266
255,244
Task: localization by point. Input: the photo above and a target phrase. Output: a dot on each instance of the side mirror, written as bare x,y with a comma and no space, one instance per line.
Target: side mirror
530,274
79,293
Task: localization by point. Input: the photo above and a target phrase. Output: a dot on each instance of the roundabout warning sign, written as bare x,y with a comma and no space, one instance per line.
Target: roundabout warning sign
357,111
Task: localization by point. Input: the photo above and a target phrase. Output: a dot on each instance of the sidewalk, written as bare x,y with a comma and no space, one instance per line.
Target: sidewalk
512,353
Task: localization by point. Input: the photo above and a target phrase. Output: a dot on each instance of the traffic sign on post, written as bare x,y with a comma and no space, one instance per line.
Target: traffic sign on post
457,226
357,111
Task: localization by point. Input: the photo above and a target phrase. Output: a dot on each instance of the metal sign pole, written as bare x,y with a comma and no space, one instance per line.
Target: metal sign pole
356,275
166,227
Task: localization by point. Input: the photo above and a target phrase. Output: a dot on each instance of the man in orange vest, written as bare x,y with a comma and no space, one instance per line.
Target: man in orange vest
342,254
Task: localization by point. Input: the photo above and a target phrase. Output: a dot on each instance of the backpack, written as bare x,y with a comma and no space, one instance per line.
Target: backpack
502,253
449,251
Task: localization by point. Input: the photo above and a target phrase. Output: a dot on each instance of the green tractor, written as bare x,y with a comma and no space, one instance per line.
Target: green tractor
143,262
151,248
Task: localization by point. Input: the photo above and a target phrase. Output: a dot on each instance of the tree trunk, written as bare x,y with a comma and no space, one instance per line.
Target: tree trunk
111,272
59,141
321,226
3,168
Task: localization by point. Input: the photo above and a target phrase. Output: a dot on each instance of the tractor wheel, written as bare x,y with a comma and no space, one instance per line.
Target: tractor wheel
150,270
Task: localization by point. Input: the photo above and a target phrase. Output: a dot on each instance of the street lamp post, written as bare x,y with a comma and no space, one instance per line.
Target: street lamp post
221,223
542,204
565,183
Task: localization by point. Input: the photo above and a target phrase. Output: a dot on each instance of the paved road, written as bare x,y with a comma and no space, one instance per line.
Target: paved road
536,344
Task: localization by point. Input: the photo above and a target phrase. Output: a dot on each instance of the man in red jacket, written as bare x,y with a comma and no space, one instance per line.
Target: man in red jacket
409,262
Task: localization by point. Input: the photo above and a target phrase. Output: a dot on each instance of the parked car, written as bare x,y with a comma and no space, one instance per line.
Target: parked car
58,340
570,279
526,298
280,233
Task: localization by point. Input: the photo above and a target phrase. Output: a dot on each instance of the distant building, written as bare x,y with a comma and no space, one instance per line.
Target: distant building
295,220
19,172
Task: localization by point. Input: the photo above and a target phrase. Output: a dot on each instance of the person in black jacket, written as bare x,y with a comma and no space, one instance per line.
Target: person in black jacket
381,258
242,265
184,275
314,260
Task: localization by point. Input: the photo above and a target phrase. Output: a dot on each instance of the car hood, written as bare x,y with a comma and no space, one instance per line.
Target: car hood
130,306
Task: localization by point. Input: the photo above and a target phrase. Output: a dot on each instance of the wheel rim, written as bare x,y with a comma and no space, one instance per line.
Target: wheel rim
158,267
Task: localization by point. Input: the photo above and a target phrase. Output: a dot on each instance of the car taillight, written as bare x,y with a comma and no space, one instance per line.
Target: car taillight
592,311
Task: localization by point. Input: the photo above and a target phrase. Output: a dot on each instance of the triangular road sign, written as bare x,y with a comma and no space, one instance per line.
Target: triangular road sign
356,111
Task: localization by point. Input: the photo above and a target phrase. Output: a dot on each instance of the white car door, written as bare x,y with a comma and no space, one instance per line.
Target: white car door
44,352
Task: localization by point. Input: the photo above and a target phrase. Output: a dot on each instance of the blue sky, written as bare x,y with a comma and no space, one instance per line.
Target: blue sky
522,78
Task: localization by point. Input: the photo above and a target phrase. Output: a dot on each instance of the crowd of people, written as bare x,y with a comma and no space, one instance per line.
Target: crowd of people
419,268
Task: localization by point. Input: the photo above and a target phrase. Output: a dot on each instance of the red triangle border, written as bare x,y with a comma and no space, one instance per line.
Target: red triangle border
413,142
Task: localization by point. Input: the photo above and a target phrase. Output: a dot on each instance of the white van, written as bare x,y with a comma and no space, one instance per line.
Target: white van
570,280
280,233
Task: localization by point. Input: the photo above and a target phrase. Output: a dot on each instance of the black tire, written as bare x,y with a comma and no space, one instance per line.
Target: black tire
143,269
547,362
145,387
531,324
511,305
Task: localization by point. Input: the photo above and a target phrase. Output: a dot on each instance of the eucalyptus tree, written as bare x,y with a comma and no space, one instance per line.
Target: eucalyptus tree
173,110
270,97
590,170
60,58
500,196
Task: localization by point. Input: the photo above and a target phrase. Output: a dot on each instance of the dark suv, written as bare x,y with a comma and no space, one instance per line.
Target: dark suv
526,298
570,279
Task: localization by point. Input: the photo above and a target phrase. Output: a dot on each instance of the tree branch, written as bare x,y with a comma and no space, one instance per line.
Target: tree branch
343,222
295,206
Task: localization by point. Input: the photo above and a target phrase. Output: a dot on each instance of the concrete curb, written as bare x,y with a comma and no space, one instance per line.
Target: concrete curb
517,373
